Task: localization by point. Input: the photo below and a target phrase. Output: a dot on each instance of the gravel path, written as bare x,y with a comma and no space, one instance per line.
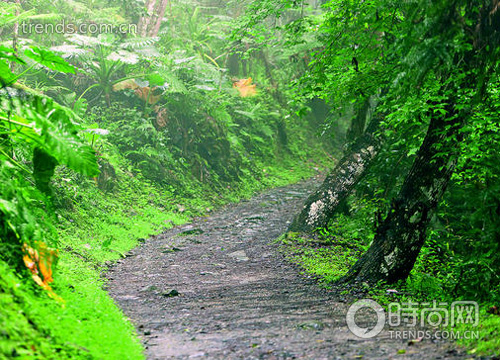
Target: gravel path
219,289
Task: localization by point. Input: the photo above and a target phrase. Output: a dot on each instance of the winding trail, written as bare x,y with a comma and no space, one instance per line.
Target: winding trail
237,296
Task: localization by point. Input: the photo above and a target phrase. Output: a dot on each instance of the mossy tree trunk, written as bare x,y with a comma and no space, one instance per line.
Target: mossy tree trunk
400,237
322,204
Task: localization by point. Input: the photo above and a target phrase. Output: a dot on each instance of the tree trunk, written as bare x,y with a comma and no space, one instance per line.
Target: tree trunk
144,21
149,25
359,121
16,26
401,235
159,18
320,206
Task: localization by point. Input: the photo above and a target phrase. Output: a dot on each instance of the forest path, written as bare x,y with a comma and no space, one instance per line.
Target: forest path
237,297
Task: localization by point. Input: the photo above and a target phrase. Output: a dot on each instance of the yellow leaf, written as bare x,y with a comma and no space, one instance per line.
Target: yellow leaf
146,94
245,87
38,280
125,84
40,261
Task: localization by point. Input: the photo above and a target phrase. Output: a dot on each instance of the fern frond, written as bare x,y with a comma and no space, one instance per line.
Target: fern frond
124,56
167,80
47,125
138,43
149,52
68,51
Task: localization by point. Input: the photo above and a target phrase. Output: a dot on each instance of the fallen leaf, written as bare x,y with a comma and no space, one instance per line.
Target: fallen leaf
146,94
414,341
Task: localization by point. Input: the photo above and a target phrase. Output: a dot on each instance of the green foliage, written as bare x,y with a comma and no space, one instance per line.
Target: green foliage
106,59
23,335
49,59
420,60
92,169
33,325
22,214
42,123
159,126
488,342
33,127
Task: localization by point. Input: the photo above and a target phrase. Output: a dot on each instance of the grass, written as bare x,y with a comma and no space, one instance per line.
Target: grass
327,260
488,342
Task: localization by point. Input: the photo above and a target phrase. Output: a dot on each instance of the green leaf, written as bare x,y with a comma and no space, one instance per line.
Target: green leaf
49,59
155,79
167,81
6,76
49,127
9,54
80,107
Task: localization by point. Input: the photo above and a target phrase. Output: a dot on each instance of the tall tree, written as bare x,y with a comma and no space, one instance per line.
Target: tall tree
401,235
343,72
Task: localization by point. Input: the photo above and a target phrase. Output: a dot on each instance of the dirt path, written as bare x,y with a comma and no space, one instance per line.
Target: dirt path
237,297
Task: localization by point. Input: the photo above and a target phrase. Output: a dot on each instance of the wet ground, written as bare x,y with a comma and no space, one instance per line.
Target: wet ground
219,289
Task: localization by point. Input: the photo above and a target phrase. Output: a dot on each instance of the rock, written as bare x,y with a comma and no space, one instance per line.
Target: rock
207,273
149,288
311,325
197,355
191,232
171,250
170,293
222,266
255,218
239,255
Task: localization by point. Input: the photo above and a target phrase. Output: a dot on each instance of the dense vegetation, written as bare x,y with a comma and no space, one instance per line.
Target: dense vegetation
421,165
109,136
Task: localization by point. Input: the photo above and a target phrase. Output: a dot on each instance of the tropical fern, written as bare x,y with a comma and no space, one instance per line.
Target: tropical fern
44,124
